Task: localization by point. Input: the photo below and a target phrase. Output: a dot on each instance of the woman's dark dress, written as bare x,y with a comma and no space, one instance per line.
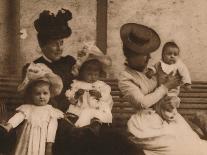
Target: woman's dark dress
94,139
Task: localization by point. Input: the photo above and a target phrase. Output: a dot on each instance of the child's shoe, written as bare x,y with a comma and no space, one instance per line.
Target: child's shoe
95,127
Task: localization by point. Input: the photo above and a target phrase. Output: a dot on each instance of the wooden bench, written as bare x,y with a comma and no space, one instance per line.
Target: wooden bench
192,101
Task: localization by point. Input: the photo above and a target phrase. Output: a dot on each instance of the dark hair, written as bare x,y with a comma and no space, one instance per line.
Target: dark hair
92,65
128,52
29,90
51,27
169,44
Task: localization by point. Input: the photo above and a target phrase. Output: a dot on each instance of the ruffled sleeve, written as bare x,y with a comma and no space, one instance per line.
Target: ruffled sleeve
55,113
106,98
184,72
105,103
22,113
25,109
53,124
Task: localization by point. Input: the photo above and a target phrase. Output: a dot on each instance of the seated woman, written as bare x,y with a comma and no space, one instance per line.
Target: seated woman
153,134
51,31
88,130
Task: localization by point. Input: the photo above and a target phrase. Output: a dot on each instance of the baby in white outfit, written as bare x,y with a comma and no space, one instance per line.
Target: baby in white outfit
170,64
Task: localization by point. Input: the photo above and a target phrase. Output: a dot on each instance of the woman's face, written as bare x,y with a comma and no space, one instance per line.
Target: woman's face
53,49
138,62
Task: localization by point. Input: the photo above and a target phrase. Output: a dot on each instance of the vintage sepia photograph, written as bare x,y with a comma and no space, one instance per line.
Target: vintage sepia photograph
103,77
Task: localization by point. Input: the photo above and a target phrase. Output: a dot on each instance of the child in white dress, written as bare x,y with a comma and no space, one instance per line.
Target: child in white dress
89,97
40,119
170,64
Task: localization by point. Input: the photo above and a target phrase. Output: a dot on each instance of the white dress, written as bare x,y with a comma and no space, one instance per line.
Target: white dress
40,125
153,134
87,106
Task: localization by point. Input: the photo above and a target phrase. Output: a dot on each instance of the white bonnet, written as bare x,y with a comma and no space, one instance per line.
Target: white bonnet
40,72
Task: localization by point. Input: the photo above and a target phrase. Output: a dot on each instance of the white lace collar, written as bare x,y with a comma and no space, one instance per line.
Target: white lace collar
169,68
46,58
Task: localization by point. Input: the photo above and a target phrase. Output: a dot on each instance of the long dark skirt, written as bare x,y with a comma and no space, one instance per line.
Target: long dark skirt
7,141
95,139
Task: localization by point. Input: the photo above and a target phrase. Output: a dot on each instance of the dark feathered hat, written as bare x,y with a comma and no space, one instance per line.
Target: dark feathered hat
50,26
139,38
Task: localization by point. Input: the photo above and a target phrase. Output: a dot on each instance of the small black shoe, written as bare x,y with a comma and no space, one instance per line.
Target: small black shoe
95,127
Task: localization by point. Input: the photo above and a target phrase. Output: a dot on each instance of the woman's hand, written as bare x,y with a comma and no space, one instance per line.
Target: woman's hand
79,93
150,73
171,101
95,93
172,81
48,150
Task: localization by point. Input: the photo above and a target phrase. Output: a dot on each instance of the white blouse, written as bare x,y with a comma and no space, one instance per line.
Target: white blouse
140,90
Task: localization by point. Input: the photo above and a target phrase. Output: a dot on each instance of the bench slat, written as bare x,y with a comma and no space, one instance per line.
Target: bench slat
192,101
196,95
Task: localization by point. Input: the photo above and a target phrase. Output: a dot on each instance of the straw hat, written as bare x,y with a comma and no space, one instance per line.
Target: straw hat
139,38
40,72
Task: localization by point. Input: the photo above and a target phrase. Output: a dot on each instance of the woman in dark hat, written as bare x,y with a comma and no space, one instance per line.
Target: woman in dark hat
69,139
51,31
153,134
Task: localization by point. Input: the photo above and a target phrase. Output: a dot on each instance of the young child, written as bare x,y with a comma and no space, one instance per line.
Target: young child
40,119
171,64
89,97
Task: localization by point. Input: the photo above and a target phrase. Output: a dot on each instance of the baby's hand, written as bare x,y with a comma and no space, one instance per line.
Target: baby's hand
7,127
187,86
79,93
95,93
171,101
149,73
73,101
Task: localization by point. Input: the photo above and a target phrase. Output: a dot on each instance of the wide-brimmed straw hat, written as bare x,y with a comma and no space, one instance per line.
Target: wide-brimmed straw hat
40,72
139,38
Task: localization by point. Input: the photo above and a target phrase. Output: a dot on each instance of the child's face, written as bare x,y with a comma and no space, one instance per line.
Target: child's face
170,55
90,76
138,62
41,94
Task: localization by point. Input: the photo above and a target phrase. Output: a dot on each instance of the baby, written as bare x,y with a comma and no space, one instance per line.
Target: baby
90,97
170,64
